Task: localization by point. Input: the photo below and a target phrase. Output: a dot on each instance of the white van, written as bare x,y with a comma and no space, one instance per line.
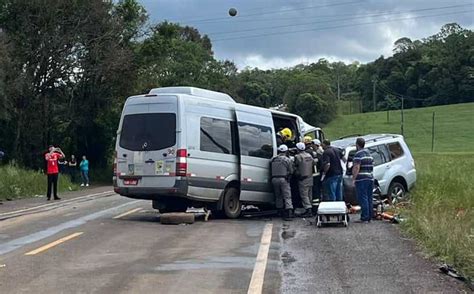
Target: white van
184,146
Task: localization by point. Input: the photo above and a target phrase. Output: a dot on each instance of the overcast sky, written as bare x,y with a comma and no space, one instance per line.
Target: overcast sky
282,33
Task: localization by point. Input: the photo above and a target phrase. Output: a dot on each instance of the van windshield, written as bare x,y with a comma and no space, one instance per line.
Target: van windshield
148,131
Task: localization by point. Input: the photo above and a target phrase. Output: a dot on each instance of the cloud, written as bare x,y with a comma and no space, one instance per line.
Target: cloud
327,28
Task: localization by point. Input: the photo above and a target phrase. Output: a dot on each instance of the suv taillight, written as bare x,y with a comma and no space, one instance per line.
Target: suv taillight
181,162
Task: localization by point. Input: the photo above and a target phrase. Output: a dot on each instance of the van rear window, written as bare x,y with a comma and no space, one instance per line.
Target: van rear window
148,131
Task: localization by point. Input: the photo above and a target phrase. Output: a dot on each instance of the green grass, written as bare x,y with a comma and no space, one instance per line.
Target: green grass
20,183
441,214
454,127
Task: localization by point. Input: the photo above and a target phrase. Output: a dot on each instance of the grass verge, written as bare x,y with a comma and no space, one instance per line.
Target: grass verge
21,183
441,216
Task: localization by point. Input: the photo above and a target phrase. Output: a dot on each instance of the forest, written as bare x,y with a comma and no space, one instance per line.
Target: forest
67,68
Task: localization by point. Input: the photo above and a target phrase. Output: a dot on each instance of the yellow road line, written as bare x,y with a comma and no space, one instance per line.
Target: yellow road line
55,243
128,212
258,275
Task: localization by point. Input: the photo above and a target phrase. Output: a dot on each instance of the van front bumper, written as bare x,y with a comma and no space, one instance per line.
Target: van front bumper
180,189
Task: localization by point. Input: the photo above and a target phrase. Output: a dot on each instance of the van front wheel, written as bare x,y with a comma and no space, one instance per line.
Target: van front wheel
232,206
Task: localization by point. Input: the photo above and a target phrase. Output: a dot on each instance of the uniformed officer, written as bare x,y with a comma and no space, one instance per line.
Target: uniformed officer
284,136
304,170
282,168
317,177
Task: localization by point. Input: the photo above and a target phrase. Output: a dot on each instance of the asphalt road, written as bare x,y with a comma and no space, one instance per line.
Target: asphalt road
106,243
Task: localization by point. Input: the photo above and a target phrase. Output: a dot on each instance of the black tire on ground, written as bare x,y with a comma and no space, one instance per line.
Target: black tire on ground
177,218
232,206
396,192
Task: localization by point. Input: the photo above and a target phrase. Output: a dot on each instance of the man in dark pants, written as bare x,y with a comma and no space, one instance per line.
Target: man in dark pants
332,172
363,180
282,168
52,170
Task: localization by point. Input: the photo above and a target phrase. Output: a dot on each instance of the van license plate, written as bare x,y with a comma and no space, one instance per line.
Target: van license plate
133,182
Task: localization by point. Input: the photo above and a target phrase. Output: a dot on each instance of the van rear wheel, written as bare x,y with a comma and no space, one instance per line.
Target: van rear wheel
232,206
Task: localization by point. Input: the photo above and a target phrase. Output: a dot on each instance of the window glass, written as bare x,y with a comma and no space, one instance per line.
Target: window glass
386,154
256,141
377,154
148,131
395,149
216,135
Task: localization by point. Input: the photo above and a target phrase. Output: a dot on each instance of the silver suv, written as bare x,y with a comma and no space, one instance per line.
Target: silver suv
394,167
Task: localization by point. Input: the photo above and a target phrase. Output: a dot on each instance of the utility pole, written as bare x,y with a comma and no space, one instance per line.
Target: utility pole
402,115
373,92
432,132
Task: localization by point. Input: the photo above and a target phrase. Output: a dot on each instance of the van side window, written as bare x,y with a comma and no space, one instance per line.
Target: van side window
256,141
216,135
395,149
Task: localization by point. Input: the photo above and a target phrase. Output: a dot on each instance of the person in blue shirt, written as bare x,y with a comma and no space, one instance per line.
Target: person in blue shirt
84,166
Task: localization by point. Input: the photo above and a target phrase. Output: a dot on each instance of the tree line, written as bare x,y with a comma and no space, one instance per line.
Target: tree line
66,68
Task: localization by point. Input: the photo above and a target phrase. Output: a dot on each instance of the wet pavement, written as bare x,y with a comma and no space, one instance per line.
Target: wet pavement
111,244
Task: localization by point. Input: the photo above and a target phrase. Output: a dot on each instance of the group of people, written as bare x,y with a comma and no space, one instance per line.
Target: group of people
56,162
317,169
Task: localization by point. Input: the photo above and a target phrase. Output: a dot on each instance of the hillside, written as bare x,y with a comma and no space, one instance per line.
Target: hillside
453,126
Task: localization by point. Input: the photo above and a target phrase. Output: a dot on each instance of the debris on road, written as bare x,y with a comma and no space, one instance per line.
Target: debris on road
176,218
450,271
3,265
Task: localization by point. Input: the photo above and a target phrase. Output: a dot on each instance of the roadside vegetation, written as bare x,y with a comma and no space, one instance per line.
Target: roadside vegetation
453,126
20,183
440,215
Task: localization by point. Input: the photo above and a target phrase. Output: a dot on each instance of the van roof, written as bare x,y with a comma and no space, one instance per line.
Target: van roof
369,138
192,91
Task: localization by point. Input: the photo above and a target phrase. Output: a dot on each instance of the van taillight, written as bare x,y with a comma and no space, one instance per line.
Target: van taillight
115,162
181,162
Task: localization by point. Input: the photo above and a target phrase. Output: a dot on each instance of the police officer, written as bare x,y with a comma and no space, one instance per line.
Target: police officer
282,168
304,171
318,154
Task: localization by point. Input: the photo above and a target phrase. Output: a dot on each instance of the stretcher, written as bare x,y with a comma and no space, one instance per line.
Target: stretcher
332,212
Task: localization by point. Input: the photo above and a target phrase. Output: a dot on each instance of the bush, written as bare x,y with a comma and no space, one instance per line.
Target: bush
19,183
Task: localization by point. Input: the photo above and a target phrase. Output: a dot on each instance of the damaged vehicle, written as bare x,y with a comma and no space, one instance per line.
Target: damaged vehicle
394,166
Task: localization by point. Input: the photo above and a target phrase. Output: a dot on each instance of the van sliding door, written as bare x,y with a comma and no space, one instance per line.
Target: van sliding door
257,146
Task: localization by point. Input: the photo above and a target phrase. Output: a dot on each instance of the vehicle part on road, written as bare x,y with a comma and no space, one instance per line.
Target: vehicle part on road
177,218
332,212
450,271
232,205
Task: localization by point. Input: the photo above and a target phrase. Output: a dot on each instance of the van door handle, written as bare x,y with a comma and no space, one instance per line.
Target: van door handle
165,154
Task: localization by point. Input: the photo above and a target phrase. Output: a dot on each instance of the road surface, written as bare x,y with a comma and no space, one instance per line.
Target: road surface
100,242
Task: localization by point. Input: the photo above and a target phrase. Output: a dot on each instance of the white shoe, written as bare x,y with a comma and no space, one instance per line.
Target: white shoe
87,185
82,185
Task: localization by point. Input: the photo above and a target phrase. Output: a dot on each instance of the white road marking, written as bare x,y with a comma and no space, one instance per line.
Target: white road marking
53,244
128,212
55,203
34,237
258,275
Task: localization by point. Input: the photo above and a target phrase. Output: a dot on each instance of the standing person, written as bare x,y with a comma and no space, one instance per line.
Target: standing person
317,177
363,180
84,166
304,172
52,170
282,168
72,165
332,169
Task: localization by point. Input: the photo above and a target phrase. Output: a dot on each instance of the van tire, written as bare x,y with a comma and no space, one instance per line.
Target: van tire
231,204
396,192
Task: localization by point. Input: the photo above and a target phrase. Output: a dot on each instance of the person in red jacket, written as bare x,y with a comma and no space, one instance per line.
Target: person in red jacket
52,170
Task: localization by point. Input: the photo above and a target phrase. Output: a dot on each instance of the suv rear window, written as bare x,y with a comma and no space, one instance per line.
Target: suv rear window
148,131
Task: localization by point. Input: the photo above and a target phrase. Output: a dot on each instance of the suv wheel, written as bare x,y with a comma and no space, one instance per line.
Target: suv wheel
396,192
